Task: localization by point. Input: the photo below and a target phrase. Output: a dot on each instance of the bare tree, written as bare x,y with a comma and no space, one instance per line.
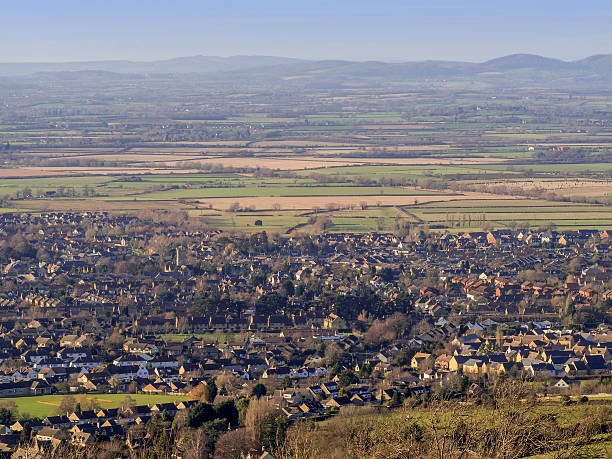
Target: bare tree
234,444
195,445
256,413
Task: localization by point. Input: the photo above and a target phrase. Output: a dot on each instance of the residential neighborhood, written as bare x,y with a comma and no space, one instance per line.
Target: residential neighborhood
97,303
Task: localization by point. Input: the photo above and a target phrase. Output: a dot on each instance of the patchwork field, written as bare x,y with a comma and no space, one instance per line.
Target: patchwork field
365,160
474,214
338,201
352,197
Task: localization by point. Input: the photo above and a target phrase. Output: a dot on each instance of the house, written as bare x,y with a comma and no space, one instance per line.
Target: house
457,361
360,399
595,364
540,369
163,362
278,372
169,408
82,438
315,391
131,413
57,422
337,402
475,365
109,413
294,396
576,368
47,433
35,424
83,417
156,388
15,388
334,322
330,389
421,360
186,404
562,383
310,408
442,361
292,412
299,373
387,394
40,387
126,361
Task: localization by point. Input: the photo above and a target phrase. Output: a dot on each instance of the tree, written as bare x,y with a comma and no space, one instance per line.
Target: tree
234,444
404,357
274,430
195,445
379,332
270,303
242,405
201,413
396,399
286,382
334,354
133,387
214,429
227,410
204,392
212,389
386,274
259,390
258,410
26,434
6,416
287,288
346,377
67,405
126,407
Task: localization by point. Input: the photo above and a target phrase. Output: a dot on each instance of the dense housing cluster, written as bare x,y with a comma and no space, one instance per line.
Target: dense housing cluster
109,304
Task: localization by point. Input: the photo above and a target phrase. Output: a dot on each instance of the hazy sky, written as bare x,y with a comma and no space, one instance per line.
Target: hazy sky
401,30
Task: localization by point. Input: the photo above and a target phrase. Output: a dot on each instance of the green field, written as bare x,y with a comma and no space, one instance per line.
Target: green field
272,221
341,188
505,214
46,405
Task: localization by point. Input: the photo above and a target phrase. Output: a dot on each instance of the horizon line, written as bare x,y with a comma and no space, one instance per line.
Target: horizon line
386,61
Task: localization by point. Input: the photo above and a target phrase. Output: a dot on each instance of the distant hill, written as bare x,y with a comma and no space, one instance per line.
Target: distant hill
526,61
600,63
194,64
512,70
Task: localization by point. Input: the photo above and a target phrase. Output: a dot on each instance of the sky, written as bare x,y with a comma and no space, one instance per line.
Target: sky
400,30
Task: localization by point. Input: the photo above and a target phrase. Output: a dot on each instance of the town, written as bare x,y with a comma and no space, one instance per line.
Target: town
114,323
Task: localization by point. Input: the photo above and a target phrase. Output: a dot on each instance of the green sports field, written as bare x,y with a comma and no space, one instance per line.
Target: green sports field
46,405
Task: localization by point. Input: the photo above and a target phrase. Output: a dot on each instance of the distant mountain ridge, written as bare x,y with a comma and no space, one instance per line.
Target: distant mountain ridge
507,70
192,64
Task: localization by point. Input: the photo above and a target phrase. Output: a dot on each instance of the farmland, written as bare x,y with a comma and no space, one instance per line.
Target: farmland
366,159
236,200
356,198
